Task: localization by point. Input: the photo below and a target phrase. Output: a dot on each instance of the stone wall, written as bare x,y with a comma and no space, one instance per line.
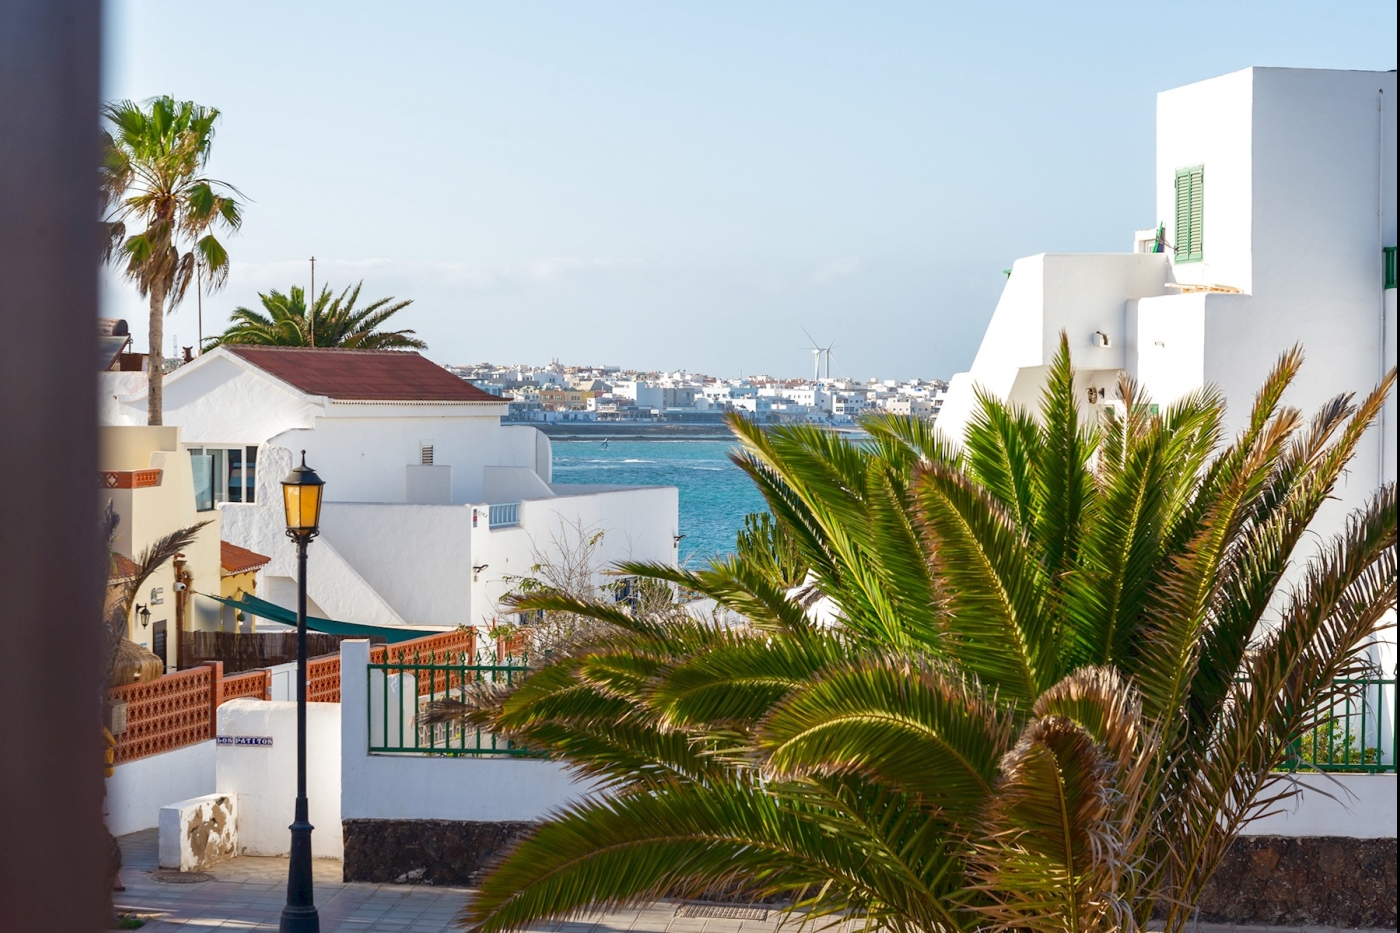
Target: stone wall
1263,881
425,851
1304,881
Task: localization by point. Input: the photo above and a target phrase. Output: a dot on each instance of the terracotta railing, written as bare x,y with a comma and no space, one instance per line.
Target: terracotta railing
167,713
512,645
323,673
456,646
323,679
428,650
253,685
179,709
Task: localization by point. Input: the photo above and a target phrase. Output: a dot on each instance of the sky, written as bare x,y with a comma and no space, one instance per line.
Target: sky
689,186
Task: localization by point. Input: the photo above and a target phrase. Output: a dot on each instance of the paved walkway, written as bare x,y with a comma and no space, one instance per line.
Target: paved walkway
247,894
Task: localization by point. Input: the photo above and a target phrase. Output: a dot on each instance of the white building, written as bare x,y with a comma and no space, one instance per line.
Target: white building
1277,190
432,505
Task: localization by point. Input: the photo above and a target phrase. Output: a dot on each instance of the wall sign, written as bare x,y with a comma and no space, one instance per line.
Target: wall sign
260,741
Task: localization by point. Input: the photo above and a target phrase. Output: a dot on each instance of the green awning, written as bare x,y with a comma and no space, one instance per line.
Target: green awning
263,609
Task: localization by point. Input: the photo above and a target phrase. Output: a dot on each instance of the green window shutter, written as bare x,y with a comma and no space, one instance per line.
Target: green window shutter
1190,213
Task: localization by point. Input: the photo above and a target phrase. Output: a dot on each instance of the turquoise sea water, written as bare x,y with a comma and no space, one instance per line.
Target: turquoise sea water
715,495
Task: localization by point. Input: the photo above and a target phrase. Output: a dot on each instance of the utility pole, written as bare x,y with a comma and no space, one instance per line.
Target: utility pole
199,302
311,304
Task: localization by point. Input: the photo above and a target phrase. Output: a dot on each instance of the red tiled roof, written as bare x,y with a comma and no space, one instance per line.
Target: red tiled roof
123,567
235,559
363,375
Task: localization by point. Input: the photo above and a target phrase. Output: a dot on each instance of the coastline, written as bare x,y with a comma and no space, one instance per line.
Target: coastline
559,431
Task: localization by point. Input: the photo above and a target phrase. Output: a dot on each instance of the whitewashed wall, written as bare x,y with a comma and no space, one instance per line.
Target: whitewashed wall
421,787
1362,806
1300,199
220,400
1209,123
361,450
138,789
265,778
1079,294
417,558
638,523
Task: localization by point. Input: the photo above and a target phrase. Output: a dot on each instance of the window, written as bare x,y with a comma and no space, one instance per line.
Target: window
1190,203
425,453
223,474
202,466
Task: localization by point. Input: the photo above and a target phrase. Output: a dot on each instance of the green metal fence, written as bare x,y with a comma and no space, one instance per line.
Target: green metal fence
1360,734
401,692
1358,737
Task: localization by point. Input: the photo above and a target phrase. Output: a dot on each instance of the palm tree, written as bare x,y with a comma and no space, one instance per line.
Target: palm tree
1069,670
151,181
284,322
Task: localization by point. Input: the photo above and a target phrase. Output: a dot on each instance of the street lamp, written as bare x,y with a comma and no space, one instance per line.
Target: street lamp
301,495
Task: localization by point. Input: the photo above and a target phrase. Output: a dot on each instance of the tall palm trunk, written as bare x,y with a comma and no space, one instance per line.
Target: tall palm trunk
155,358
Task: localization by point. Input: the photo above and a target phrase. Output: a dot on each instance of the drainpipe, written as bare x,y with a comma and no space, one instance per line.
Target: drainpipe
1380,249
182,578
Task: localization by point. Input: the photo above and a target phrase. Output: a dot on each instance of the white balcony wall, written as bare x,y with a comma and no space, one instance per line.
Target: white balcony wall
638,523
512,484
416,557
426,787
1047,294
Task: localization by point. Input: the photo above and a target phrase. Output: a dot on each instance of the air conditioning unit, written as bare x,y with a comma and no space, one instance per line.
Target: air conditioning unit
1100,339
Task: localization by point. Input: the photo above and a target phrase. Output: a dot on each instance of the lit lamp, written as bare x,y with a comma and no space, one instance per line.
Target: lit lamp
301,496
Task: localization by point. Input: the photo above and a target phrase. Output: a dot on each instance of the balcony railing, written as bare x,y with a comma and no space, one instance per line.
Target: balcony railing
402,691
1357,735
505,516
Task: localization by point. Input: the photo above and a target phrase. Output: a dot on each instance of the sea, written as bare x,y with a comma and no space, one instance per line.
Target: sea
715,495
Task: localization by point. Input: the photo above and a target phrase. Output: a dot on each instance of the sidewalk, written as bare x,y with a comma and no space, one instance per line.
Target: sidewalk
247,894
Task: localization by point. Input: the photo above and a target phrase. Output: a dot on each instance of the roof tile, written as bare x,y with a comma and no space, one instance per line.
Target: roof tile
234,559
363,375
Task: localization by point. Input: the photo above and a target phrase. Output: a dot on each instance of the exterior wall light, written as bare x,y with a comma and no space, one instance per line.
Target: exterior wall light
301,495
144,614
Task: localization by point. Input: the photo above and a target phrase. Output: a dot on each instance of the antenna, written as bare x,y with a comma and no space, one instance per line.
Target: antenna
311,304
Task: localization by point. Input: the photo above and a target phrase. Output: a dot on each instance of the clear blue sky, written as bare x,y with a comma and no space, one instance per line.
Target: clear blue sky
668,185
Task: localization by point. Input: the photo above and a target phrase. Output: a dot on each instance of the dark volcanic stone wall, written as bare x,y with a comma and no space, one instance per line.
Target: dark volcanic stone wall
1314,881
1263,880
425,851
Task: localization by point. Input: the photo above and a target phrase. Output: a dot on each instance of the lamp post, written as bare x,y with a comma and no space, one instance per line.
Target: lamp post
301,495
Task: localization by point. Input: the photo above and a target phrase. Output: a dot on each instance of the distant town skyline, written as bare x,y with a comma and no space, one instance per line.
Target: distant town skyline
670,187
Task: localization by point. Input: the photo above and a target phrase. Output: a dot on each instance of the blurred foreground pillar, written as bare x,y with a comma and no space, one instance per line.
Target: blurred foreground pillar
52,850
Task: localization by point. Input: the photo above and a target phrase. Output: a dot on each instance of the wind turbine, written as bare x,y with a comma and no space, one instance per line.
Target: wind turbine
827,351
